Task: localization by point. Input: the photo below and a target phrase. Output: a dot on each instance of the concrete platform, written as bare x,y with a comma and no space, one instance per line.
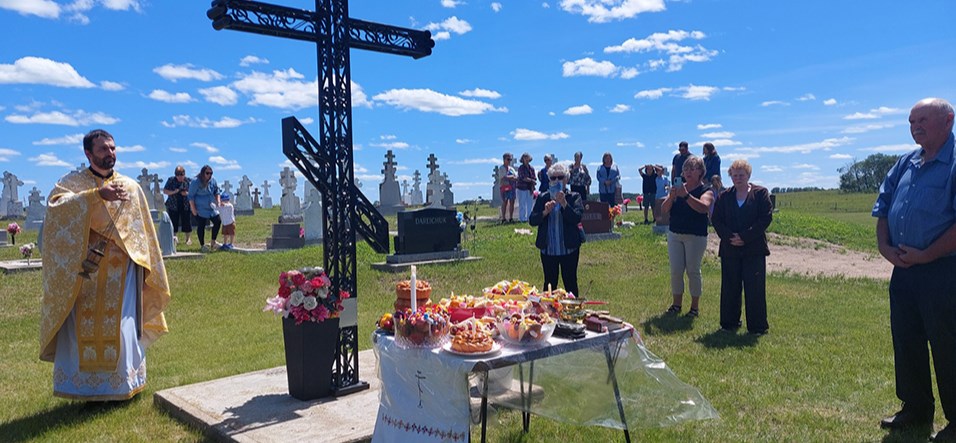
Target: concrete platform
400,267
256,407
603,236
179,255
11,266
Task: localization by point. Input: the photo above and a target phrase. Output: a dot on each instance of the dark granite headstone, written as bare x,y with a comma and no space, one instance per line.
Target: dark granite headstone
427,230
596,218
285,236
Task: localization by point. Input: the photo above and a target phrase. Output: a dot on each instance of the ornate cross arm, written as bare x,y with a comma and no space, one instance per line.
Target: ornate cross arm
300,24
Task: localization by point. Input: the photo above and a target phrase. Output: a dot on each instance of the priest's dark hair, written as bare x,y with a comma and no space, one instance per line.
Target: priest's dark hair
93,135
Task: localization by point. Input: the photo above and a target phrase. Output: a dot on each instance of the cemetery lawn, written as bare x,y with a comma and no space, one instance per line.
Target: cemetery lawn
823,373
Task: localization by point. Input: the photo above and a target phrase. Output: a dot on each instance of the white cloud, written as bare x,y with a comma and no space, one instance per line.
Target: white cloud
806,97
892,148
196,122
771,168
589,67
578,110
806,166
441,35
450,3
42,71
694,92
6,154
173,73
667,43
480,93
830,102
629,73
388,137
527,134
602,11
476,161
178,150
139,165
134,148
721,134
252,60
111,86
206,146
723,142
495,6
220,95
463,141
860,116
39,8
841,156
223,164
74,139
705,126
629,144
451,24
48,159
391,145
652,94
859,129
77,118
774,103
307,121
619,108
164,96
426,100
874,113
804,148
283,90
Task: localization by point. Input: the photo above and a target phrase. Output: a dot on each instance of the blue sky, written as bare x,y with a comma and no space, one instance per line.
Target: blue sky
798,88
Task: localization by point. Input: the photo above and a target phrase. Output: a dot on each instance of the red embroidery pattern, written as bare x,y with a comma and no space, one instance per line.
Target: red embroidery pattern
422,429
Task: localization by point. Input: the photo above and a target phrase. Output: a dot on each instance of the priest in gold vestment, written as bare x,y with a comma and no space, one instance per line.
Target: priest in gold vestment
96,328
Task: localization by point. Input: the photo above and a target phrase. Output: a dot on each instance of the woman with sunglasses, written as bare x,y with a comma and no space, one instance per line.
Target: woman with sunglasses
177,203
204,203
557,214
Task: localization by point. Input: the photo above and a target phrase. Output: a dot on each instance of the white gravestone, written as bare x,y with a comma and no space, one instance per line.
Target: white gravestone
406,194
416,198
244,197
226,187
157,194
314,215
433,190
495,193
144,180
266,198
10,205
291,207
448,199
36,211
389,195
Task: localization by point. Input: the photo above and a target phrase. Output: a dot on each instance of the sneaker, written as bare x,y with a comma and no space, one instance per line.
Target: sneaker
693,313
215,245
673,310
204,248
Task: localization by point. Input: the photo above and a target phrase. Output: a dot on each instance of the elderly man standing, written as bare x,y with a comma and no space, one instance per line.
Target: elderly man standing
104,282
916,232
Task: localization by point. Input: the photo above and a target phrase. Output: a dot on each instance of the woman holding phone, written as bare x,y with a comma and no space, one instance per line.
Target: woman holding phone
557,214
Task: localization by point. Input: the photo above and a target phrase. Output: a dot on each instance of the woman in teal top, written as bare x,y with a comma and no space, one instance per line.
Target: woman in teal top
204,204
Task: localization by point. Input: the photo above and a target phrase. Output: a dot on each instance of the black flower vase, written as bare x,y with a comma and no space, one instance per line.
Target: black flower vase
310,355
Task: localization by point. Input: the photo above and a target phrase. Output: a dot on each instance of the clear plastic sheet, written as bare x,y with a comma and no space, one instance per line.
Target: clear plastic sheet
570,383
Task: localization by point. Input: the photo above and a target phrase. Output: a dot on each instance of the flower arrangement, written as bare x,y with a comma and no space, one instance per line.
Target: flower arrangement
306,295
13,229
27,251
614,211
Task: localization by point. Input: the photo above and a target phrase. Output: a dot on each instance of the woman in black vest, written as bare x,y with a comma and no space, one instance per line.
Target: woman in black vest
689,206
741,217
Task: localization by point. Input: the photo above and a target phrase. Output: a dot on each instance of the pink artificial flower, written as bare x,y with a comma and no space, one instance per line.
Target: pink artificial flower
306,287
13,228
344,294
317,282
626,201
298,279
275,304
283,277
321,313
535,194
325,280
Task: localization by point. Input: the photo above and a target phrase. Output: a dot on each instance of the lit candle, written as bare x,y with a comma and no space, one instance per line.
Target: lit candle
414,286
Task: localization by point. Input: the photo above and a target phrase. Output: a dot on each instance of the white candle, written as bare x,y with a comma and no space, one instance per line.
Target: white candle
414,290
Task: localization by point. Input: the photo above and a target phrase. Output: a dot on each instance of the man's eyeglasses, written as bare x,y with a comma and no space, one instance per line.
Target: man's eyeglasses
180,174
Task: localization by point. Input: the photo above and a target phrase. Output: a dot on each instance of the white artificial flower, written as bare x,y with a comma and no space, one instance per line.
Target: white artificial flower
296,298
322,292
310,303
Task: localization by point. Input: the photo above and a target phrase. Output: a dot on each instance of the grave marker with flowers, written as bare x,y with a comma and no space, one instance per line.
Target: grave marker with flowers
13,229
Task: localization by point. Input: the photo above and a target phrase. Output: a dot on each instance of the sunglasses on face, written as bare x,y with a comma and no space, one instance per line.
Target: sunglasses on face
555,178
180,174
208,173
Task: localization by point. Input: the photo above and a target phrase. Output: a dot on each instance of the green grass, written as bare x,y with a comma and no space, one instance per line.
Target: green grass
824,373
831,216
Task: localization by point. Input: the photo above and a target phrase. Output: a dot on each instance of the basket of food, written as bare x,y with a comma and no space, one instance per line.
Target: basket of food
526,329
425,328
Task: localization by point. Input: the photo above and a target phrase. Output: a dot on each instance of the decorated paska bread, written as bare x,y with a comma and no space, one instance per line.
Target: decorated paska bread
403,294
471,342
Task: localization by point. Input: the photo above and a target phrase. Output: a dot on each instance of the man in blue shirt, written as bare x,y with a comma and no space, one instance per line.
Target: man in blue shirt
916,232
677,164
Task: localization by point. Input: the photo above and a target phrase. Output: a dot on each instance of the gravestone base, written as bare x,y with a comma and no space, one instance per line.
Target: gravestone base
420,260
291,219
390,209
245,212
285,236
600,236
180,254
4,241
11,266
425,256
661,229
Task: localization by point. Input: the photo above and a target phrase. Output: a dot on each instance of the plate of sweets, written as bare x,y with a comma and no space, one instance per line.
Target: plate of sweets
488,325
462,307
469,343
511,290
424,328
526,329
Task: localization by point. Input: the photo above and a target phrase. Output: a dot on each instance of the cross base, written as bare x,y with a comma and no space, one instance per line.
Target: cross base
351,389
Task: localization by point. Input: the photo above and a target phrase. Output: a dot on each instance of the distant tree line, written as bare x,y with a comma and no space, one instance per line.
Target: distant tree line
779,190
866,175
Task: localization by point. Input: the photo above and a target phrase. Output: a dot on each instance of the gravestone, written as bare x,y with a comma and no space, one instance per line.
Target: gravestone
4,241
427,230
144,181
255,199
389,195
82,167
596,218
416,199
244,197
164,232
406,194
157,194
314,215
266,198
291,207
10,204
495,193
285,236
448,199
226,187
433,189
36,211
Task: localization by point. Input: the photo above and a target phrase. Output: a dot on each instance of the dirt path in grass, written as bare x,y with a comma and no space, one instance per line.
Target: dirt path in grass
803,256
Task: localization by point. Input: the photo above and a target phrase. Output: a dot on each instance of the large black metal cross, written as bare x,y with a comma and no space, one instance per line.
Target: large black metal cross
328,163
